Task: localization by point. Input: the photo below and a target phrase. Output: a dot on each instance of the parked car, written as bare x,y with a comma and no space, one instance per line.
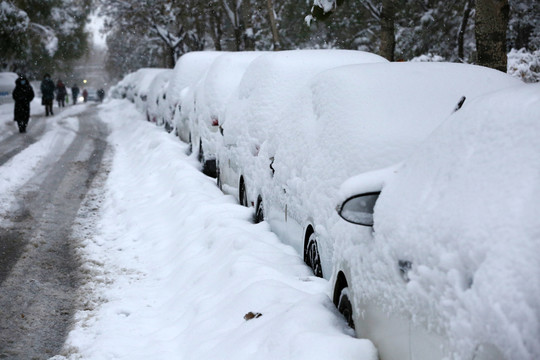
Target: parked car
120,90
188,70
454,246
256,111
7,84
157,96
143,79
211,96
289,147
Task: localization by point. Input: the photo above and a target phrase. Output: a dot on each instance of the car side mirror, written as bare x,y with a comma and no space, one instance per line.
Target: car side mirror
359,209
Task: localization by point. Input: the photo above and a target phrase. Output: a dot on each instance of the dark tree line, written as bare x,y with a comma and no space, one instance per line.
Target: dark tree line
38,36
479,31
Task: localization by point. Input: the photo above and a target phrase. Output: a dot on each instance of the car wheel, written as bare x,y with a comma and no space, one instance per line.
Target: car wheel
201,153
344,306
242,196
190,149
259,212
218,179
312,257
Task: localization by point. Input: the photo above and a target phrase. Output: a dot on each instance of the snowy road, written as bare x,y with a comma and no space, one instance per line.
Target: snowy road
169,266
38,267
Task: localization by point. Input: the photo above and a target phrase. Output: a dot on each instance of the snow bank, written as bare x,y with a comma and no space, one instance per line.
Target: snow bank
177,267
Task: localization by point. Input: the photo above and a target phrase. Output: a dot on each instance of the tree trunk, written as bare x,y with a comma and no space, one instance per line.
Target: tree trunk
461,35
215,22
388,40
275,35
490,31
247,26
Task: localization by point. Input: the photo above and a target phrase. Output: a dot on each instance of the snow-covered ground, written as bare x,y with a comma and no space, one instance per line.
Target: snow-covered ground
173,268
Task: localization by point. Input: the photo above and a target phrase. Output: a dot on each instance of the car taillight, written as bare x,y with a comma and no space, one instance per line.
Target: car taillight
215,121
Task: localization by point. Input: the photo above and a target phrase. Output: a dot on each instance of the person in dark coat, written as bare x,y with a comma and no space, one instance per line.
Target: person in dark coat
23,94
85,95
61,93
101,94
47,94
75,93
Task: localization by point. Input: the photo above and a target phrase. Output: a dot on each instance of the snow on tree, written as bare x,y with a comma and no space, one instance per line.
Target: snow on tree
524,65
42,36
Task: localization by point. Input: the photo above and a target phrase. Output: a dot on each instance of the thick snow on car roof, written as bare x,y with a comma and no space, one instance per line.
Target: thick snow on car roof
362,118
370,116
465,210
221,80
272,79
188,70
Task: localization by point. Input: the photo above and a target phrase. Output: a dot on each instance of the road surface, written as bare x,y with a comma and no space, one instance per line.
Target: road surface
38,265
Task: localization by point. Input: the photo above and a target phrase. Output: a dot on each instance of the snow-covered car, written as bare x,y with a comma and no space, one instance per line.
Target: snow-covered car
157,97
120,90
211,96
257,110
454,246
143,79
137,85
187,72
7,84
292,150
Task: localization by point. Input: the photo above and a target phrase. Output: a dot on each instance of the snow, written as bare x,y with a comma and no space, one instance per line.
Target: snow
322,128
524,65
188,70
155,106
212,94
19,169
464,209
174,268
171,265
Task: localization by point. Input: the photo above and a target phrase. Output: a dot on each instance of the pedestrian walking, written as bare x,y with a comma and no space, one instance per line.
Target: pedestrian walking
61,93
23,94
75,93
47,94
85,95
101,94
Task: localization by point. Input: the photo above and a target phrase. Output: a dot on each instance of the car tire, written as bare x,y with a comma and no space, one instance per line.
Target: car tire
218,179
312,257
242,195
201,152
259,211
344,306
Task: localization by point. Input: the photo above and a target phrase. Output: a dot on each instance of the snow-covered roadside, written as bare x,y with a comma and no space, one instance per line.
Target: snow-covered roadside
173,267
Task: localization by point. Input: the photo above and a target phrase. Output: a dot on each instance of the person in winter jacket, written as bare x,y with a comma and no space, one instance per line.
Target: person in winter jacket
85,95
23,95
75,93
47,94
101,94
61,93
